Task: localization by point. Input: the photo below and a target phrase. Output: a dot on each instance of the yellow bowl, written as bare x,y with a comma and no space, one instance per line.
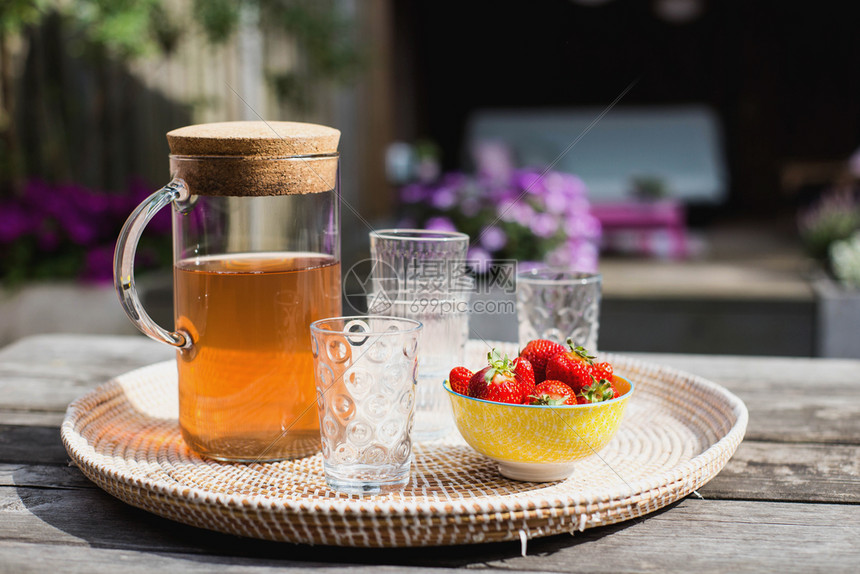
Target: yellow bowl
538,443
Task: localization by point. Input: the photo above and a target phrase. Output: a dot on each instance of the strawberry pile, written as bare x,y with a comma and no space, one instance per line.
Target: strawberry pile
544,373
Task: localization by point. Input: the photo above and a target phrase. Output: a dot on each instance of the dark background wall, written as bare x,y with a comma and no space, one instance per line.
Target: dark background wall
782,75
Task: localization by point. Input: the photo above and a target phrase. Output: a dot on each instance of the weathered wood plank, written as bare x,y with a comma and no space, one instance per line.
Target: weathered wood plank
710,536
31,444
107,355
31,418
789,472
43,476
767,373
789,399
694,535
21,558
47,372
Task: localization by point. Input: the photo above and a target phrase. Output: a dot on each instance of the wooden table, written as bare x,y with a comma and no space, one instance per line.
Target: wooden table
789,501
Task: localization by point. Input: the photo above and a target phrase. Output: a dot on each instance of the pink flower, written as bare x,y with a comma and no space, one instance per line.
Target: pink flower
493,238
582,226
493,160
543,225
578,255
439,223
443,198
479,260
530,181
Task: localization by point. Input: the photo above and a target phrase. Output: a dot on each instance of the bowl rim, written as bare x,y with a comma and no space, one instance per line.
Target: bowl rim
447,386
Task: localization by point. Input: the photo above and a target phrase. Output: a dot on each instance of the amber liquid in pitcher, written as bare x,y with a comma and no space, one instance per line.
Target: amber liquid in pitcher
246,386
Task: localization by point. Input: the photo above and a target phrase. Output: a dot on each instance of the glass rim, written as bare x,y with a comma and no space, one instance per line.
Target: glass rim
403,234
184,157
414,325
543,275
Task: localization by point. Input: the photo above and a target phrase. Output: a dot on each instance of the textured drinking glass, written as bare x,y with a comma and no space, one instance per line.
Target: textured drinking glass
421,275
556,304
365,370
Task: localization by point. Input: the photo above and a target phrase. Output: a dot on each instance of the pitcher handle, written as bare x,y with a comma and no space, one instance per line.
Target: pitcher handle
123,264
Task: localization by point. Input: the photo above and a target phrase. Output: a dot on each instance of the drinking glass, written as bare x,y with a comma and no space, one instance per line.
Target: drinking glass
421,275
558,304
365,371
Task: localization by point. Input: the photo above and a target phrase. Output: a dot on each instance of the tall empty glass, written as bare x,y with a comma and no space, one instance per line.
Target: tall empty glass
556,304
420,274
256,242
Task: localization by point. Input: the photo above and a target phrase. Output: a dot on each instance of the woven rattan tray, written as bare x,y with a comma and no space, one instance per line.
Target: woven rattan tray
678,432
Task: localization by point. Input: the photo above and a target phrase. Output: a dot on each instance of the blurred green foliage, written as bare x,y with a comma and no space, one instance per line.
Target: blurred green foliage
107,32
132,28
16,14
219,18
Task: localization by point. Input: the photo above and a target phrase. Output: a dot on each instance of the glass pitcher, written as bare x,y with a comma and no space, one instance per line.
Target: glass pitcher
256,259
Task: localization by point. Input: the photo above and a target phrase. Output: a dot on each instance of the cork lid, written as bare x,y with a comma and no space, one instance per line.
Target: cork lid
255,158
259,139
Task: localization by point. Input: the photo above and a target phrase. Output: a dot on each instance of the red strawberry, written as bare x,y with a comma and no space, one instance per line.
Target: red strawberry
554,393
538,352
602,371
572,367
597,391
459,380
524,371
503,380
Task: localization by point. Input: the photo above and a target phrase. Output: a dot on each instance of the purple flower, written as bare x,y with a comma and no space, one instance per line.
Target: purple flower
565,184
443,198
413,193
15,222
86,200
77,229
493,161
406,223
526,266
583,226
439,223
543,225
576,205
493,238
455,179
479,260
516,211
503,193
530,182
138,192
98,266
573,186
555,201
585,255
577,255
46,199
